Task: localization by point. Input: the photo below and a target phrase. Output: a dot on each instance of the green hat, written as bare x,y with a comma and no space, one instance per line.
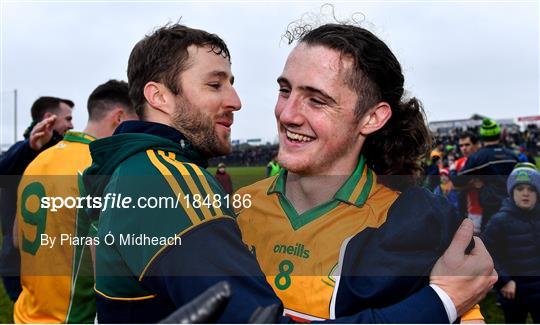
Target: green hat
490,130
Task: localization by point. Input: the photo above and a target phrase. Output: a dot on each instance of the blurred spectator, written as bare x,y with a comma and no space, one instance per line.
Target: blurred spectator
51,118
224,178
512,237
433,169
487,170
273,167
446,188
469,201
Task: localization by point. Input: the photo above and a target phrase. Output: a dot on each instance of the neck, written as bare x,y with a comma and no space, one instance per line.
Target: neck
97,130
308,191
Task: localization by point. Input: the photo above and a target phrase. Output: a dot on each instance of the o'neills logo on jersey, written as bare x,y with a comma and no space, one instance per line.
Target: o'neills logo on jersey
297,250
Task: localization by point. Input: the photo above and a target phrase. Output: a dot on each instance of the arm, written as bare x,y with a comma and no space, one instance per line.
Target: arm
466,278
400,255
494,238
184,281
21,154
224,258
15,160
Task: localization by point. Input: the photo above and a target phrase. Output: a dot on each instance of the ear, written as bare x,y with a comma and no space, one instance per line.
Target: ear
118,115
47,115
376,118
158,97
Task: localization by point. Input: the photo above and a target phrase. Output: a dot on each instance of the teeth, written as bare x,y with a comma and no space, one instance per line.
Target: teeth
298,137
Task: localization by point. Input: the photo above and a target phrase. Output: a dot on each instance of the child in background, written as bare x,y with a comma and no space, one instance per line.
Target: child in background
512,236
446,188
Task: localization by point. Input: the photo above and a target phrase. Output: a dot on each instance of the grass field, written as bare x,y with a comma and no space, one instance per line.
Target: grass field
6,306
242,176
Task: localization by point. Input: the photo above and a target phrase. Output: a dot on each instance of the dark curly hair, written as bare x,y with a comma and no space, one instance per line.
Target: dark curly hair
162,56
376,76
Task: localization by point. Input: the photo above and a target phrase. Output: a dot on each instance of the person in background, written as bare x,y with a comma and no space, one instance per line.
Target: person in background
273,167
468,198
487,170
512,237
432,170
51,119
57,282
446,188
224,179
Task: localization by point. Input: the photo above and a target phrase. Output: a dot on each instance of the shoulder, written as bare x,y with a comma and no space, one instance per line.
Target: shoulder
258,188
421,217
16,147
65,154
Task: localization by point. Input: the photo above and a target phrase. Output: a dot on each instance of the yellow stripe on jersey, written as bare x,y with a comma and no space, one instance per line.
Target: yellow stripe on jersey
204,183
171,180
188,177
124,299
181,233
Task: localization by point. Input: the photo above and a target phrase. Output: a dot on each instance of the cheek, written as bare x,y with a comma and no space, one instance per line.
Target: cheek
279,107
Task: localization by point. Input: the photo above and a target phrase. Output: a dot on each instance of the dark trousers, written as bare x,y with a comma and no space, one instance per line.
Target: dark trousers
517,313
12,284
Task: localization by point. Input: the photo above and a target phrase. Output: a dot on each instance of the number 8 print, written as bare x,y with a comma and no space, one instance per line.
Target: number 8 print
284,274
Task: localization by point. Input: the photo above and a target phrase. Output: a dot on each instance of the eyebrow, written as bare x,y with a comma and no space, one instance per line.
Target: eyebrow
222,75
283,80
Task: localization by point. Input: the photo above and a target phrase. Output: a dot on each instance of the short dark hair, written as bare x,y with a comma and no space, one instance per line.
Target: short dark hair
473,137
47,104
398,147
163,55
106,96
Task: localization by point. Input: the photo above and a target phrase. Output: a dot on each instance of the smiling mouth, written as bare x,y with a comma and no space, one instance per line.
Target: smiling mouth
225,124
296,137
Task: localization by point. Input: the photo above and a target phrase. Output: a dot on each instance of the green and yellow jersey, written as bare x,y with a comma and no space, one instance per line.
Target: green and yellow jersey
52,292
303,254
141,280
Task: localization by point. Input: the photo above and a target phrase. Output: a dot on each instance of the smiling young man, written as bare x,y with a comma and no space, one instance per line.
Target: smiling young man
331,238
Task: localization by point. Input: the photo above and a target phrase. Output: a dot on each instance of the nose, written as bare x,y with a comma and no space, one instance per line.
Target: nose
289,111
232,100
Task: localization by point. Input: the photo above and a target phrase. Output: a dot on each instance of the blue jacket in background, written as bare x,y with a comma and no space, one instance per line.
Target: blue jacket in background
491,164
512,236
452,196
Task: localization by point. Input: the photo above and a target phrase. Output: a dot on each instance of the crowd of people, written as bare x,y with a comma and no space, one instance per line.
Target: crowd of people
320,239
246,156
491,177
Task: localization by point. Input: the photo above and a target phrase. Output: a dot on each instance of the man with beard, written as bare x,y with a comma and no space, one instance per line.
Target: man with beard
151,259
182,88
